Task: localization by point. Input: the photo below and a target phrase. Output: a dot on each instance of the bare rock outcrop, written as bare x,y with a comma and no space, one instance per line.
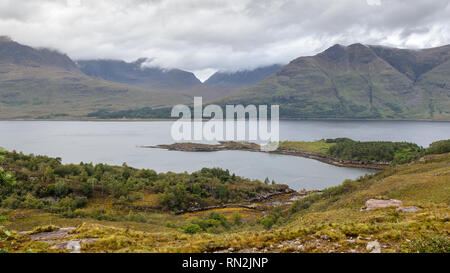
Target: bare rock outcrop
53,235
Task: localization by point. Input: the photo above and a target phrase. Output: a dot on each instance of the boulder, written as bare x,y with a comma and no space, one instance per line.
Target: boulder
408,209
372,204
373,247
53,235
74,246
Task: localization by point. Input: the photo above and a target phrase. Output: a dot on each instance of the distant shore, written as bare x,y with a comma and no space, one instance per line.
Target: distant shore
169,119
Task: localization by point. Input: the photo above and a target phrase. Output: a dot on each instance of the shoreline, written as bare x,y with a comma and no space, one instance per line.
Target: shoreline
175,119
252,147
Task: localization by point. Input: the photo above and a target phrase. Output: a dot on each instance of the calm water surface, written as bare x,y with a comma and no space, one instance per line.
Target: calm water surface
118,142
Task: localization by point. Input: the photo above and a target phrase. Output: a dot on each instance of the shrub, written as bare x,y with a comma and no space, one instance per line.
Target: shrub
11,202
72,203
212,220
275,214
192,228
32,202
6,179
236,218
49,175
170,224
61,189
267,222
430,244
137,217
87,189
304,203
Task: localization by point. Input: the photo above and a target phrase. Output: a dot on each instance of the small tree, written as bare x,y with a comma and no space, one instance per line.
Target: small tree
6,179
267,222
236,218
61,189
192,228
49,175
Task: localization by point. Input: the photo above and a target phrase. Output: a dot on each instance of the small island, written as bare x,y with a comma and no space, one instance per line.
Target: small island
342,152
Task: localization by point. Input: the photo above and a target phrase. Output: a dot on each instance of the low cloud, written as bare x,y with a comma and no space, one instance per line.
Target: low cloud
210,35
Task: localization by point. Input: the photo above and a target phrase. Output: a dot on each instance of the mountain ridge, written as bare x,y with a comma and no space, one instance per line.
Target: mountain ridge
343,82
15,53
42,83
355,82
246,76
137,74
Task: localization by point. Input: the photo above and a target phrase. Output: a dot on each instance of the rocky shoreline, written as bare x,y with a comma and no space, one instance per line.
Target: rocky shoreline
253,147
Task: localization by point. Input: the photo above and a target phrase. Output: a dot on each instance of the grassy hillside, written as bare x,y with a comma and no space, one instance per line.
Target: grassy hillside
358,81
320,146
330,221
28,92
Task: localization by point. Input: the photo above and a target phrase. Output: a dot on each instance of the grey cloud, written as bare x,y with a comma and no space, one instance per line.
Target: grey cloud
208,35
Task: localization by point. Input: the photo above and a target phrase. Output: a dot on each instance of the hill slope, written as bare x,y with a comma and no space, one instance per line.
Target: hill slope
244,77
359,81
229,82
330,221
40,83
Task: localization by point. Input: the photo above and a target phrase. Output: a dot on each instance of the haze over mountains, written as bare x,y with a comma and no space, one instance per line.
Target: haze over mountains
242,77
359,81
355,81
176,81
229,82
137,74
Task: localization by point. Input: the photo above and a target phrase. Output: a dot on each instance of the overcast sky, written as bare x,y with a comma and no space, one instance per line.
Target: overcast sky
207,35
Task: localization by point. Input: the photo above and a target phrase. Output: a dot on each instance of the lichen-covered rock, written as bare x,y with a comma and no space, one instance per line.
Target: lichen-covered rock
372,204
408,209
53,235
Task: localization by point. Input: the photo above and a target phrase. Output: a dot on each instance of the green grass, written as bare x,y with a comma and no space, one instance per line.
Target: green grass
320,146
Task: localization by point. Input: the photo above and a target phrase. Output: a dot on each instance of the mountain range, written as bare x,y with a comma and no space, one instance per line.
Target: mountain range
355,81
175,81
137,74
359,81
43,83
